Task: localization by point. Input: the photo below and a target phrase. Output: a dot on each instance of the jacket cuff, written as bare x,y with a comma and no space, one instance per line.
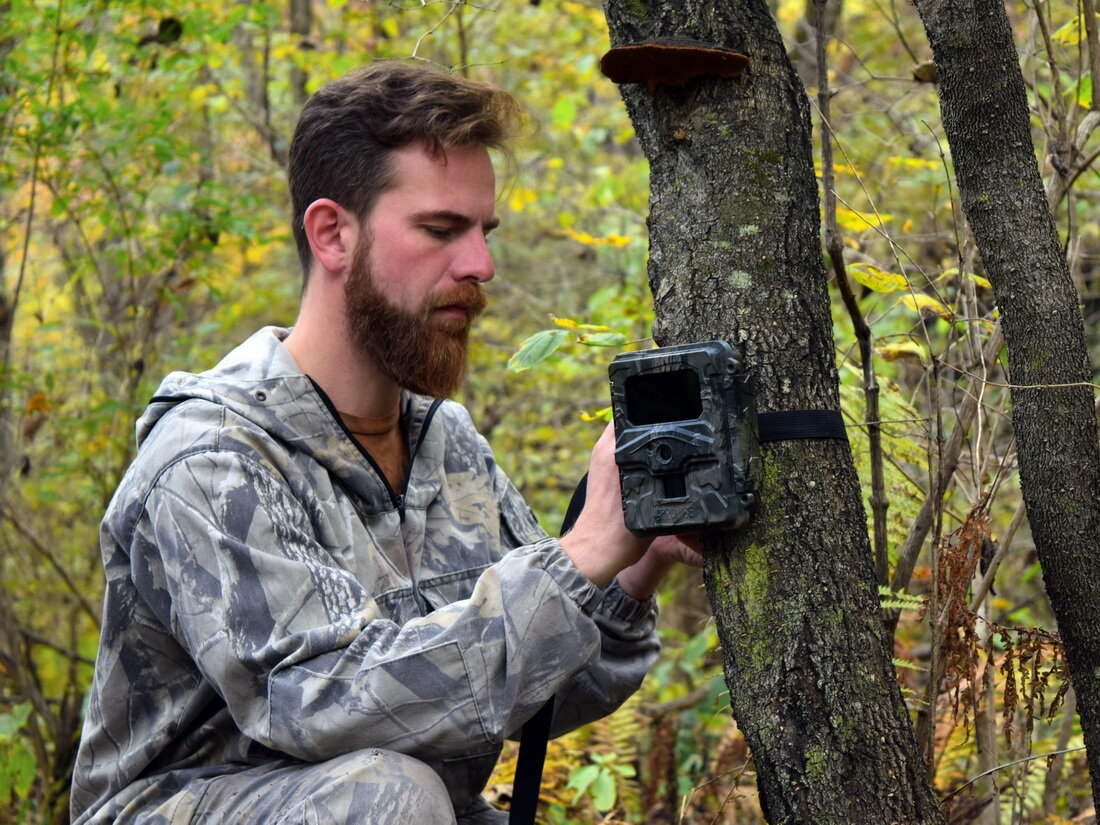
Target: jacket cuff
554,561
626,608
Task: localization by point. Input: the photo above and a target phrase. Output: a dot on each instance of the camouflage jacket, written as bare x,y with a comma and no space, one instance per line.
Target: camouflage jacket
268,597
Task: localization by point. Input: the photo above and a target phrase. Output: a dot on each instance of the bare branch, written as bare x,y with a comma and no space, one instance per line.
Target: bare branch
835,248
40,547
907,557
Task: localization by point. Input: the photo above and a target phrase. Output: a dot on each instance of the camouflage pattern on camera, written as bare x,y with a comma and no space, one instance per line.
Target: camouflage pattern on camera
686,438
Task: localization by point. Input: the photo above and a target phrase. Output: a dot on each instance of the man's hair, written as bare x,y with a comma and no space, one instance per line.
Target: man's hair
348,130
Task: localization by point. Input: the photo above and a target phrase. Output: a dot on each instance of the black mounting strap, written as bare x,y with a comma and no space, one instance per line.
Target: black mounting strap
789,425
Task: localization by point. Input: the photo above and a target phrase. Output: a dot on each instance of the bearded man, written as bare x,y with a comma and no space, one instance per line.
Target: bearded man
325,601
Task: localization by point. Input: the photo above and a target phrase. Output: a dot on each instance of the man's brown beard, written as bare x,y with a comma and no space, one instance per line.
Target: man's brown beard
421,351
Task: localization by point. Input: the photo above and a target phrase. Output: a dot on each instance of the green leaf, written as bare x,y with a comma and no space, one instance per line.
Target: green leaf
23,769
10,723
905,663
582,778
603,791
899,599
537,349
564,112
1084,92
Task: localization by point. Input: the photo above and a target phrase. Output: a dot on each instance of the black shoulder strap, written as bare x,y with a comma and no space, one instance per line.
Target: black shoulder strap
532,755
536,732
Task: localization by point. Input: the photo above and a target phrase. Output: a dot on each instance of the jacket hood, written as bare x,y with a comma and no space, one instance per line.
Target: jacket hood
261,382
256,380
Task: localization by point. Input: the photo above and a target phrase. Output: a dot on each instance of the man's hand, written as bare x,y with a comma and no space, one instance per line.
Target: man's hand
641,579
601,546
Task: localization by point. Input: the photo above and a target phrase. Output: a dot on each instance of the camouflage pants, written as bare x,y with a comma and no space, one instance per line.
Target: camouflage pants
368,787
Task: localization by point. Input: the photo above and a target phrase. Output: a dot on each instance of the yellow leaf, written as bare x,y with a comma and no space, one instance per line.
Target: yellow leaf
954,272
877,279
285,51
913,163
1069,34
200,93
901,349
854,221
925,305
597,415
585,238
521,197
569,323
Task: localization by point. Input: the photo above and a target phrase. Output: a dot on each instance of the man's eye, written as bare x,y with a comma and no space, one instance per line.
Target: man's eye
438,231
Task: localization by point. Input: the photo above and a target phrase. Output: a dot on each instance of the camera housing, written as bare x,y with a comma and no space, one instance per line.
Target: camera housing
687,442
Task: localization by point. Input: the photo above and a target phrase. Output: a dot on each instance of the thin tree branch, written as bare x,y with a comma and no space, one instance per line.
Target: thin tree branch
41,548
835,248
38,639
1011,764
907,557
1092,38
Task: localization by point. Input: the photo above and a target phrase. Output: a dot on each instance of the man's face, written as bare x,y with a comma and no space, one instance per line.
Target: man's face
414,285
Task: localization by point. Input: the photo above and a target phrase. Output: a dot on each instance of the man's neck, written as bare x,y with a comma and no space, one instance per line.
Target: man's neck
350,379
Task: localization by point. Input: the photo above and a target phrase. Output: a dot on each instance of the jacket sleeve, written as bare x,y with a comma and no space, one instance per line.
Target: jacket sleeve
306,662
628,639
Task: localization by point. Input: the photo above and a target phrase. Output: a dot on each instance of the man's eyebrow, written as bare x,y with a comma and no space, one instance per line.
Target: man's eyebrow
456,218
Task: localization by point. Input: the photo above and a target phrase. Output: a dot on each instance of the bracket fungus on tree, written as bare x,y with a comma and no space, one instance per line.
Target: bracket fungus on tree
670,61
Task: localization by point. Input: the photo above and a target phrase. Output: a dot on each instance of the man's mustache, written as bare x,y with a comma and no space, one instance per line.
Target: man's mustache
469,296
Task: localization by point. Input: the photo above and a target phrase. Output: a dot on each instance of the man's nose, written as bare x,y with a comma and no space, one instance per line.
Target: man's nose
474,261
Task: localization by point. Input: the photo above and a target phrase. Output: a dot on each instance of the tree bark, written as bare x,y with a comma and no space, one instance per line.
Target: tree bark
735,254
985,116
301,24
8,294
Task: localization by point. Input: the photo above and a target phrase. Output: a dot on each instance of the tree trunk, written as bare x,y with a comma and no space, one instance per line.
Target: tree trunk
985,116
8,294
7,411
735,254
301,23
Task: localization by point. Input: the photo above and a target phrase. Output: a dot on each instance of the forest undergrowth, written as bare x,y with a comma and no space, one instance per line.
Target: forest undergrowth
143,221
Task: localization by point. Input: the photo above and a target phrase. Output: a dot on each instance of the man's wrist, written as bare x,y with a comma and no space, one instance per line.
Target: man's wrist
587,558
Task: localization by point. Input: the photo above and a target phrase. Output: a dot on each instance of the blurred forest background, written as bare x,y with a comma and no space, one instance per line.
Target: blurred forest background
143,228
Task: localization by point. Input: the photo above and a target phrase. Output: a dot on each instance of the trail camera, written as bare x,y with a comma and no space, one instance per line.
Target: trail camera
686,438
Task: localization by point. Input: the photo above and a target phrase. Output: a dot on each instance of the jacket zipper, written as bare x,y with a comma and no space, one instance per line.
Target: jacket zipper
396,499
399,499
414,573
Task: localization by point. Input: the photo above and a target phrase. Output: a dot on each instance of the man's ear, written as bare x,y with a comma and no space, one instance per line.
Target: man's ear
333,232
